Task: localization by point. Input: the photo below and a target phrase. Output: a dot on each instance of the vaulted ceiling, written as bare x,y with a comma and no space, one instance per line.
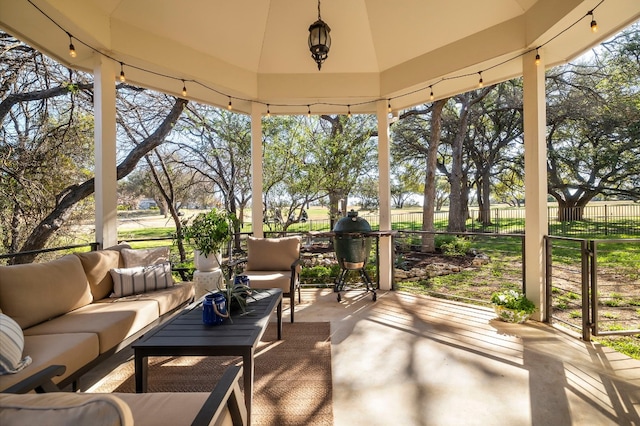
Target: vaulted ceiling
256,50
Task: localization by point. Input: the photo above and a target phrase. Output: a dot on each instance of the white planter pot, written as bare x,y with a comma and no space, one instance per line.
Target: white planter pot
207,263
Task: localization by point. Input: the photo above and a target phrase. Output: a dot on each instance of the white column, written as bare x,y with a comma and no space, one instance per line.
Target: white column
384,193
256,169
535,179
106,196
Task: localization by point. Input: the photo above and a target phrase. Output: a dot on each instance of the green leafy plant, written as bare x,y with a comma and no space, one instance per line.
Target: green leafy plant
208,232
458,246
512,299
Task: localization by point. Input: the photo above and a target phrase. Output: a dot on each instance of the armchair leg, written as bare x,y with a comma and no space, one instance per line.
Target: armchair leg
292,299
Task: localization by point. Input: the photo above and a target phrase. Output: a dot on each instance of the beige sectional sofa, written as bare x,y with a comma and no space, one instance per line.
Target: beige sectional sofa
69,316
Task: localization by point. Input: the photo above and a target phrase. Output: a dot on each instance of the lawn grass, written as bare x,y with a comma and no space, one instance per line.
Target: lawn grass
476,286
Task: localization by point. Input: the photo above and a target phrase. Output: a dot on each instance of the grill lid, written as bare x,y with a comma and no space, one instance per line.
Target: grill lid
352,223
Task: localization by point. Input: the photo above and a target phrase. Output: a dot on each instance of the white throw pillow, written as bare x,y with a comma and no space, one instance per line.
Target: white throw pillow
141,279
144,257
11,346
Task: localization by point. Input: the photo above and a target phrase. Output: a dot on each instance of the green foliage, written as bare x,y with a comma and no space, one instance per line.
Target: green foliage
208,232
628,345
457,246
513,299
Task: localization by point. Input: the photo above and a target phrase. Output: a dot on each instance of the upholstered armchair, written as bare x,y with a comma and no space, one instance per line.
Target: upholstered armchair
274,263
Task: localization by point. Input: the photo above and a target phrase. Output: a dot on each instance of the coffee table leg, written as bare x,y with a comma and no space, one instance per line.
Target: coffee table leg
248,372
141,369
279,315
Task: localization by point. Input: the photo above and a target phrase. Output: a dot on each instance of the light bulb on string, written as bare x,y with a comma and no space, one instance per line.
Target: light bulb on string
593,24
308,111
184,88
431,95
122,77
481,81
72,48
349,111
230,106
388,105
268,111
537,57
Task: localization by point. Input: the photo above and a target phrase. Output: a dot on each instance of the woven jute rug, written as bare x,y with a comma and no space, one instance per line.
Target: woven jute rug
292,382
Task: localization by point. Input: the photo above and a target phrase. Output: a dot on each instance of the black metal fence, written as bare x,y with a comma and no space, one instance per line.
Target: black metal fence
591,220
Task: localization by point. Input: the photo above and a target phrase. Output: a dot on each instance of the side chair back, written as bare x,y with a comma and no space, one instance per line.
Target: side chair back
274,263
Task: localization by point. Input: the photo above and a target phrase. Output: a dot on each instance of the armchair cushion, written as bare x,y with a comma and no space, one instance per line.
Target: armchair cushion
270,279
272,254
63,408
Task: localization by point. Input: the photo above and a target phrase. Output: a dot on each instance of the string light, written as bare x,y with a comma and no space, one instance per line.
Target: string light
122,77
73,54
594,24
268,112
72,48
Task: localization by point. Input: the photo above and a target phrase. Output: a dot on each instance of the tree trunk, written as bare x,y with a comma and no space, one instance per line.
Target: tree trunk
429,201
68,198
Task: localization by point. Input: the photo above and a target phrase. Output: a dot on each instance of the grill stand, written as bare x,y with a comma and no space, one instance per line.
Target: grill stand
341,280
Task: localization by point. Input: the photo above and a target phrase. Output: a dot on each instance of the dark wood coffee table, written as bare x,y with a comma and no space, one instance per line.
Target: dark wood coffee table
186,335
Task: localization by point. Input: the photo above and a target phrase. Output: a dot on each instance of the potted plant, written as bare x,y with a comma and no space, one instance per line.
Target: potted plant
512,306
208,233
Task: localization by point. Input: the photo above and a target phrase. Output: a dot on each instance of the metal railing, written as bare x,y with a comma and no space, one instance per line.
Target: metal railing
591,286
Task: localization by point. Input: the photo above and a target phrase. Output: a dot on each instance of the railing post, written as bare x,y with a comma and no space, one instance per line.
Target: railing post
548,281
586,318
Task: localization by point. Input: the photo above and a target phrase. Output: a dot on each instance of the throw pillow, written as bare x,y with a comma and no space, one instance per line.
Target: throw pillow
144,257
11,346
141,279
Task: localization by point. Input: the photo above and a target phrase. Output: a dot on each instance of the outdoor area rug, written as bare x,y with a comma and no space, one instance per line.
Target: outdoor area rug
292,383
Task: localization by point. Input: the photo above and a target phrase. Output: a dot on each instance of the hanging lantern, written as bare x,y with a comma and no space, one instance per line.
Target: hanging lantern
319,40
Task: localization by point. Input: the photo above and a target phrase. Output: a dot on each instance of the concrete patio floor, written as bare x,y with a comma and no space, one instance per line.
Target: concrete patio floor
416,360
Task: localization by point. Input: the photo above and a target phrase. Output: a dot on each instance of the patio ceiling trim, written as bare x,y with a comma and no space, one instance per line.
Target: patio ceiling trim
447,69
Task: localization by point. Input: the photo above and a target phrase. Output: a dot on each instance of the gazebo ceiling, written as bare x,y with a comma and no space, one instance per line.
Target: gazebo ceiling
253,50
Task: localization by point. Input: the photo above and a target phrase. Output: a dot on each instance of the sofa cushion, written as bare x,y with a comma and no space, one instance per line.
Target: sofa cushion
36,292
96,265
73,350
112,322
11,346
64,408
272,254
144,257
141,279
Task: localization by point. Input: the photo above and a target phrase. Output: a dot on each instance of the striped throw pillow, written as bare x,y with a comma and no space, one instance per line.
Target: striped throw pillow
11,346
141,279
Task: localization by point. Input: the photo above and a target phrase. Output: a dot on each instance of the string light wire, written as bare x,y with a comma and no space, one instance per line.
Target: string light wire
73,53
